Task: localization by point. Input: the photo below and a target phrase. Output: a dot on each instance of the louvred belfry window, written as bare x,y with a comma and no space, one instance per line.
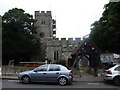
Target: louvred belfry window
42,21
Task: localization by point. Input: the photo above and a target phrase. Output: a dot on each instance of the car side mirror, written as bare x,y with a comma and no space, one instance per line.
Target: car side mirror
35,70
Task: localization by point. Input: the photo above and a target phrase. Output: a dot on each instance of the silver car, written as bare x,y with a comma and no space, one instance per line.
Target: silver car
113,74
48,73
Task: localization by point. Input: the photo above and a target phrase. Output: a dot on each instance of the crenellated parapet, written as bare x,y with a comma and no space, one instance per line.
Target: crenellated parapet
64,42
38,13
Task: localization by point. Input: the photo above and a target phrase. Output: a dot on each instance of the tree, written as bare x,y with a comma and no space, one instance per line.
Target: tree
18,39
105,32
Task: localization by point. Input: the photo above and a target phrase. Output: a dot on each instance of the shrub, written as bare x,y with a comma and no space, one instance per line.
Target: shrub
86,69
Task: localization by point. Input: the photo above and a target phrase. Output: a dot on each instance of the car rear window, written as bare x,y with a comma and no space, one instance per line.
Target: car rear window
110,66
117,68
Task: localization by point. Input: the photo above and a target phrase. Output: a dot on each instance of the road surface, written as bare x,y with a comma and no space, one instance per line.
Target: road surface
85,85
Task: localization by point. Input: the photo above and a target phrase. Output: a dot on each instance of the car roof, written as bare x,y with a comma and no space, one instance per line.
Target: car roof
54,64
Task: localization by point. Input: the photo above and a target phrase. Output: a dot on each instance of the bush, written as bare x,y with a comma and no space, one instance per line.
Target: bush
86,69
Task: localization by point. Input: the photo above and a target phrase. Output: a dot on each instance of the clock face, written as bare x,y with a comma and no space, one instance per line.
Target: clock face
42,34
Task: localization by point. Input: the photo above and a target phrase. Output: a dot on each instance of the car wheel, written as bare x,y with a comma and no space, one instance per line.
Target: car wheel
62,81
25,79
116,81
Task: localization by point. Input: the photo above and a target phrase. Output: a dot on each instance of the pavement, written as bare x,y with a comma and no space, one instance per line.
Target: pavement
77,77
86,77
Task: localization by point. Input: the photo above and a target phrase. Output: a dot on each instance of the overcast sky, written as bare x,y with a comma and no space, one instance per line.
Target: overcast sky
73,17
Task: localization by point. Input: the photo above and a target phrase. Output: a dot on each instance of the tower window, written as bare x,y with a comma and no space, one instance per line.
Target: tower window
42,21
42,34
54,32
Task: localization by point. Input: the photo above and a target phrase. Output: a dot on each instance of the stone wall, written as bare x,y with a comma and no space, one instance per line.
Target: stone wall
14,70
63,46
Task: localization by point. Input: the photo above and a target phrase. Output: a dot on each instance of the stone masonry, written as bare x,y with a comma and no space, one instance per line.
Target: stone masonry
51,47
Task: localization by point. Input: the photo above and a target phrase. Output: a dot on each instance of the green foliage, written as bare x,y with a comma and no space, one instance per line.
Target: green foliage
18,40
105,32
85,69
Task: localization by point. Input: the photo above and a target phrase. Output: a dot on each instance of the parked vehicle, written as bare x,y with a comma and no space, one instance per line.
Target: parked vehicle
48,73
113,74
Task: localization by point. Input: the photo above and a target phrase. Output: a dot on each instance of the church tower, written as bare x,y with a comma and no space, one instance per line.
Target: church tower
45,30
45,24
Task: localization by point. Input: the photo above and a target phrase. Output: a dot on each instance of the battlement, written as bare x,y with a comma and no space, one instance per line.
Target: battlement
38,13
77,39
63,39
70,39
67,39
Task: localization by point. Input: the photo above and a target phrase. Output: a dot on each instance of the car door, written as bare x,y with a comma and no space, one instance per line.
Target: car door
53,73
39,74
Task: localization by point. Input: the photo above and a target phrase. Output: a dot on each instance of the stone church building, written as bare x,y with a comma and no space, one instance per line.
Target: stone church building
51,47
